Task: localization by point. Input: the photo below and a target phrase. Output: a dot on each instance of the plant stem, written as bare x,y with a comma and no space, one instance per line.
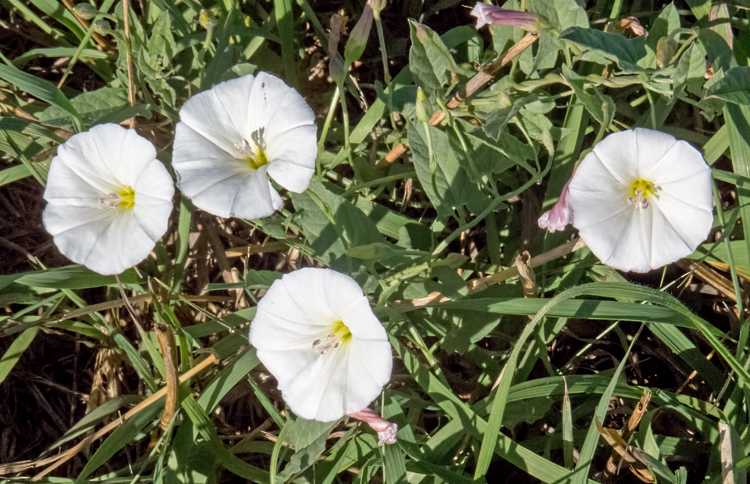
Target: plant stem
386,72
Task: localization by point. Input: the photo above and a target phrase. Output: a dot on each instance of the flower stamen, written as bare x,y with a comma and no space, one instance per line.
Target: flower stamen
339,334
640,190
255,158
123,199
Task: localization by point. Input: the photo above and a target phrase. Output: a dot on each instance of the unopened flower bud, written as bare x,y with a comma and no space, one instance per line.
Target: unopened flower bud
504,100
102,27
86,11
387,431
357,42
336,68
377,7
492,15
423,113
666,48
207,19
561,214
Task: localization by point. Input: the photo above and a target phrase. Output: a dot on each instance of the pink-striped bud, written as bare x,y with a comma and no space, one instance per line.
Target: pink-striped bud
386,430
492,15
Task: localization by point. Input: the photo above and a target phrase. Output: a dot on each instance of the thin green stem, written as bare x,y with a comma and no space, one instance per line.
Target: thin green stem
386,72
345,114
385,179
326,127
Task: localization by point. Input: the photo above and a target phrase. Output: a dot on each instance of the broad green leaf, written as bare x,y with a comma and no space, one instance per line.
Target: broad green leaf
332,224
733,87
430,61
488,155
450,185
105,105
667,21
561,14
600,106
615,47
497,120
161,46
309,440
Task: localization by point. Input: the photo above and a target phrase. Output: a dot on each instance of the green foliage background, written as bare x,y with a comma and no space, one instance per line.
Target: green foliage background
494,385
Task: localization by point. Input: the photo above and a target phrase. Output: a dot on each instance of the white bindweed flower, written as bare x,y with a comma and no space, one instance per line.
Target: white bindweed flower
315,332
108,198
232,137
642,199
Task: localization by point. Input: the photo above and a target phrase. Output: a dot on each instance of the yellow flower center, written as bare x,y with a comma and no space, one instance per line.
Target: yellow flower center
260,159
646,188
339,335
342,331
127,198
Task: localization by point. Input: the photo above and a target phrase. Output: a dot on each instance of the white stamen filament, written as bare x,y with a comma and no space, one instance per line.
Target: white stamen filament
639,200
323,345
244,149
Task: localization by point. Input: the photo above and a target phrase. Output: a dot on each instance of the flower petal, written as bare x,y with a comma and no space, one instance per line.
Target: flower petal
108,155
66,187
276,108
292,154
220,114
323,294
616,154
595,193
679,228
651,147
622,241
106,241
219,183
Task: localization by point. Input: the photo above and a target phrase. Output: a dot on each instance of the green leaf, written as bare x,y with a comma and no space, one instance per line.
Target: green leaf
430,61
261,278
105,105
161,46
561,14
495,123
667,21
733,87
44,90
615,47
599,105
332,224
15,351
122,436
490,156
68,277
450,186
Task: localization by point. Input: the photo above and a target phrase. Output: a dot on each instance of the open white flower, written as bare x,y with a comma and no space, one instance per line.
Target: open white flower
232,137
315,332
642,199
109,198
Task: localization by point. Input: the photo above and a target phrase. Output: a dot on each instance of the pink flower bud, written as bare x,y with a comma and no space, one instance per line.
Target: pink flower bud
561,214
492,15
386,430
359,36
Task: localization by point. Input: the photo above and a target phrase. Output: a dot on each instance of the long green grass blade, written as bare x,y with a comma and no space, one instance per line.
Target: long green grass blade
15,351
